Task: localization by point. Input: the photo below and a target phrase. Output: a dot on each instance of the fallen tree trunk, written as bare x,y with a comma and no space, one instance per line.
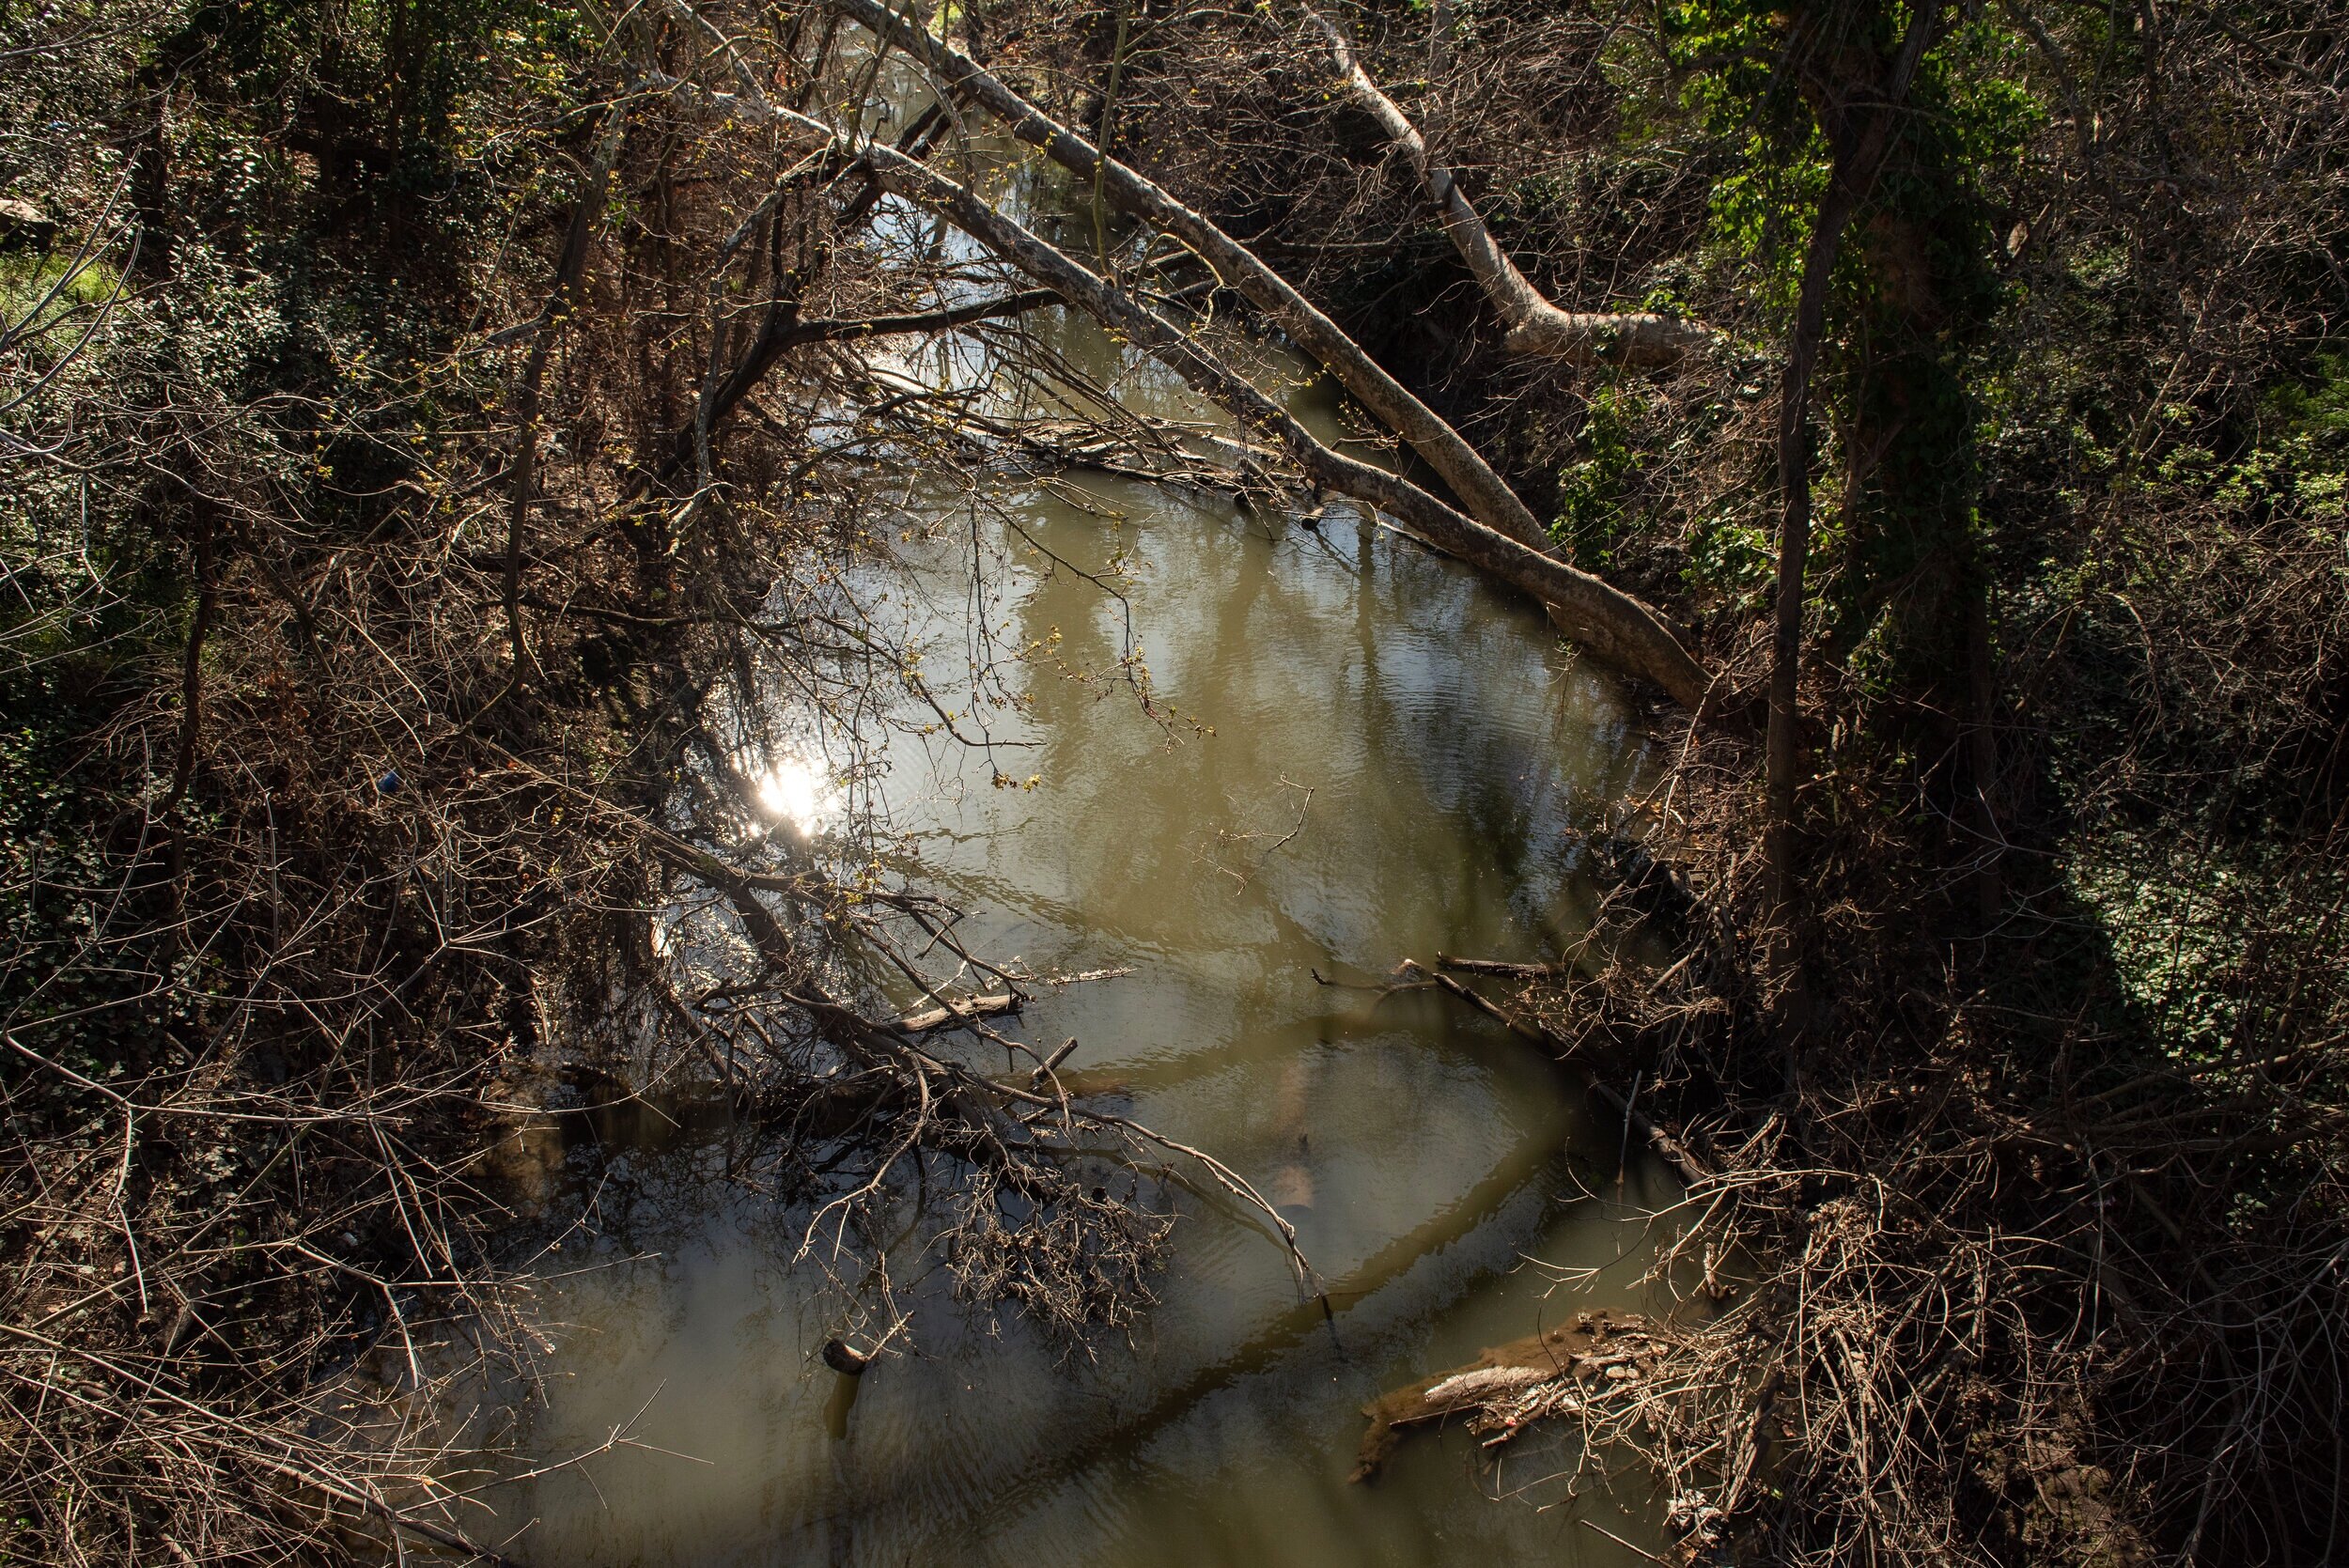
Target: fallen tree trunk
1535,325
1612,623
1482,493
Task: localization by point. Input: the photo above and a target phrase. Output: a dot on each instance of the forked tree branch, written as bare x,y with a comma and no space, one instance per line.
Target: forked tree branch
1535,326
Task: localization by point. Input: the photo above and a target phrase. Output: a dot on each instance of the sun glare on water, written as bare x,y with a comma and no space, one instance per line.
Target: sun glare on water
796,794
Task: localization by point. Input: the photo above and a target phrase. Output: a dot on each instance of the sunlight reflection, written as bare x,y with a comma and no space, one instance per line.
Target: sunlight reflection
796,794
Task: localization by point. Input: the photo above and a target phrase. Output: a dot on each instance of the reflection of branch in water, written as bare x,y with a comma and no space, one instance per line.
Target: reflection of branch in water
1157,1075
1032,1476
1130,666
1229,838
1663,1142
1015,1479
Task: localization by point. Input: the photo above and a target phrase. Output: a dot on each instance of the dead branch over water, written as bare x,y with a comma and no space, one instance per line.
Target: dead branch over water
458,777
2026,1180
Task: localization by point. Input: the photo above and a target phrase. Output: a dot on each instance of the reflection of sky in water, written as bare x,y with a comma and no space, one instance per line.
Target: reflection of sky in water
1448,745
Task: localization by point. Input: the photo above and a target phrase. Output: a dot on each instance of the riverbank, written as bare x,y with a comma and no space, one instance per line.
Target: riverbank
2028,1106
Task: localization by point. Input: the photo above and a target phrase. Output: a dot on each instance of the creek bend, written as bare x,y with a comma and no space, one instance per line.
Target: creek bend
1354,752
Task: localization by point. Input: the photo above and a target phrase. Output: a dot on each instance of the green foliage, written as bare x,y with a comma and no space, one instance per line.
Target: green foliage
2168,950
1990,113
2301,465
1775,157
1591,490
1916,290
39,293
1730,551
59,890
407,78
2201,934
278,342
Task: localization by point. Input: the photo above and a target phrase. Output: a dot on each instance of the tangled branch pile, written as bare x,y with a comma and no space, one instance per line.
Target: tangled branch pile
446,482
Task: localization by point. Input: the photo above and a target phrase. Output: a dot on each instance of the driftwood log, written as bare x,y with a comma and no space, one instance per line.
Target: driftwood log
1598,1343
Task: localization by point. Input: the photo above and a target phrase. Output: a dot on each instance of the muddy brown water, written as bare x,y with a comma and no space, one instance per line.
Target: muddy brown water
1400,761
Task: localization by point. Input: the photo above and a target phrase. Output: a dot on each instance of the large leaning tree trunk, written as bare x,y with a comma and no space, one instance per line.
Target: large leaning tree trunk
1535,326
1613,624
1482,493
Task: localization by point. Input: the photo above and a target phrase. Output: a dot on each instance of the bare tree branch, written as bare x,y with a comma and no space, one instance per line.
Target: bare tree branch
1535,326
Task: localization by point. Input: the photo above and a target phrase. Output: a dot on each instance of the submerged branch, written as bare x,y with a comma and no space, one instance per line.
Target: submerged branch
1491,1392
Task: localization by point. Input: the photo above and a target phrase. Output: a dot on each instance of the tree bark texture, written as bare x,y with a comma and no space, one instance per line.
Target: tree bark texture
1859,156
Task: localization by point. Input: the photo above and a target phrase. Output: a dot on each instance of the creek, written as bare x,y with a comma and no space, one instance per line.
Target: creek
1360,753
